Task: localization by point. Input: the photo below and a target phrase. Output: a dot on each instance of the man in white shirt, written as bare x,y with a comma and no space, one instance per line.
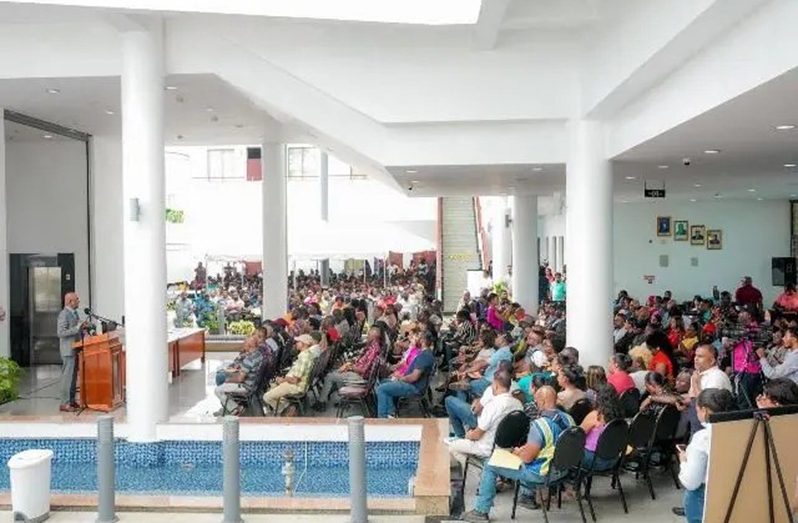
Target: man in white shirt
619,330
707,374
494,405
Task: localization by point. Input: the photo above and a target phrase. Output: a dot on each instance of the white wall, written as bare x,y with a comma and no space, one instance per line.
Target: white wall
753,232
107,215
46,191
5,331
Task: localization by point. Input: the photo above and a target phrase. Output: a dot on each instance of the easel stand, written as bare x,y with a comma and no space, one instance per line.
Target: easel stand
761,418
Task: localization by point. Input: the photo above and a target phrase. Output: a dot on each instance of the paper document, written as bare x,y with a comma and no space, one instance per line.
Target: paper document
505,459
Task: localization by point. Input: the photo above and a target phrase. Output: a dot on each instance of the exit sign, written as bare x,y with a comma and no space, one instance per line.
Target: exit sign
654,193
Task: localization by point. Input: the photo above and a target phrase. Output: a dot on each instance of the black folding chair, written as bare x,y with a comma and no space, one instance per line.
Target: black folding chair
568,455
422,400
665,440
610,448
511,432
630,402
580,409
252,400
359,395
299,399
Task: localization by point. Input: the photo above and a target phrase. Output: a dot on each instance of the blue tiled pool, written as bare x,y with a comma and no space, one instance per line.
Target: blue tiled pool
195,467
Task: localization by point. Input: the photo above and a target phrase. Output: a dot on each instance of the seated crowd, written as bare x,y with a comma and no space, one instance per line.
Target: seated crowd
387,348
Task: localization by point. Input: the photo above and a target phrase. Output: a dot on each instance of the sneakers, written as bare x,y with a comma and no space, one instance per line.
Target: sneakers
67,408
449,439
528,502
679,511
474,516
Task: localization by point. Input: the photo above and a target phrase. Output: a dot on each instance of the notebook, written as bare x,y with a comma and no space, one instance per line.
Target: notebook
505,459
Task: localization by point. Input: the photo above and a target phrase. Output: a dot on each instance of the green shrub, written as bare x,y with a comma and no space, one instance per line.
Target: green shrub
10,374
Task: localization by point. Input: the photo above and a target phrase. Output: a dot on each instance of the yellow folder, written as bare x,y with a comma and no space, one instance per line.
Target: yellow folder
505,459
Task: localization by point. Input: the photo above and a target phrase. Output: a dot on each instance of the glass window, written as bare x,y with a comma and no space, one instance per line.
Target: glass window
221,165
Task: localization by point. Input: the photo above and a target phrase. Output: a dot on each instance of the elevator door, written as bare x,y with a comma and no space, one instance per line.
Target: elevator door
45,294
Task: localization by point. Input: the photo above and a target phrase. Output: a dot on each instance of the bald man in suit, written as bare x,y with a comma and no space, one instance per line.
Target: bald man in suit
70,328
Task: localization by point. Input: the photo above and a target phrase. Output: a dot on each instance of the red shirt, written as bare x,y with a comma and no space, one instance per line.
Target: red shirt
621,381
661,357
747,294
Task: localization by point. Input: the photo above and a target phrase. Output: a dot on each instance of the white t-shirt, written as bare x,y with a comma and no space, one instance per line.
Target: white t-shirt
639,378
714,378
493,411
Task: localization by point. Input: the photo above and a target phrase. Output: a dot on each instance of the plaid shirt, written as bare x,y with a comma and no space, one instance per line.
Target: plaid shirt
365,362
301,368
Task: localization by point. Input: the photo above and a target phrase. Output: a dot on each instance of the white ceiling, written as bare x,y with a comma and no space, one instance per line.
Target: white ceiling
203,110
752,153
437,180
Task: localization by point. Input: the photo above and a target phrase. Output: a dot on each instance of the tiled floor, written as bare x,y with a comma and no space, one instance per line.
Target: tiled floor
190,395
155,517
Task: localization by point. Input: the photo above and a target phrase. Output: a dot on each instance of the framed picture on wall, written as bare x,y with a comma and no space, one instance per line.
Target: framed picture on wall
663,225
680,230
698,235
714,239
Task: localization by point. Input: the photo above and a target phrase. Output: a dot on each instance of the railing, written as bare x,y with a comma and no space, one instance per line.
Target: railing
482,236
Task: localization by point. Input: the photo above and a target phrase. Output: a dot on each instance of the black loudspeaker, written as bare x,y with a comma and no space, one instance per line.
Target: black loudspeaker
783,271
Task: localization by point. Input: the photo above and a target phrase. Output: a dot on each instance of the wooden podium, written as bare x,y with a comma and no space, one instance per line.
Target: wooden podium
101,371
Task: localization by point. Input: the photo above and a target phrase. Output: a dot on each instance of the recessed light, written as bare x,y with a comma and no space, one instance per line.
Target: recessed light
693,200
53,90
789,165
537,169
712,151
785,127
718,195
759,199
239,126
209,109
179,136
662,166
697,185
793,195
751,190
47,136
411,171
171,88
624,201
631,177
109,112
414,181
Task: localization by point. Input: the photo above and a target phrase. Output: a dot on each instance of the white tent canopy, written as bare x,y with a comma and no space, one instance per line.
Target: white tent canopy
319,240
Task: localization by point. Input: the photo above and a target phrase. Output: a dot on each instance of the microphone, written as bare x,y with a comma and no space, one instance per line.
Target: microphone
91,314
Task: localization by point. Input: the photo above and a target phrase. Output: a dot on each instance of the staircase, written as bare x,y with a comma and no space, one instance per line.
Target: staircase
459,249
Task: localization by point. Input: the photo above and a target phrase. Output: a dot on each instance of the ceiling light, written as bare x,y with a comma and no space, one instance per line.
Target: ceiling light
697,185
785,127
759,199
171,88
712,151
53,90
179,136
209,109
789,165
109,112
414,181
47,136
411,171
751,190
793,195
537,169
718,195
624,201
662,166
631,178
239,126
693,199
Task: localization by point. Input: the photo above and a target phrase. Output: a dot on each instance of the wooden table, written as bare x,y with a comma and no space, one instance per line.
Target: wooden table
185,346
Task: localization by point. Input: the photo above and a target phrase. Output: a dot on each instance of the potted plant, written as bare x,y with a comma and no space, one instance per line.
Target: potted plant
10,374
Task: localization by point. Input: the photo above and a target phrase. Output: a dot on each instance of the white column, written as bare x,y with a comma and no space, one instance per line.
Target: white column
588,231
525,252
553,253
144,237
324,192
500,240
561,253
275,246
5,297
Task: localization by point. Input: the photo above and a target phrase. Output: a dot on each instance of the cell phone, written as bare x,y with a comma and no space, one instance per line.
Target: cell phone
681,447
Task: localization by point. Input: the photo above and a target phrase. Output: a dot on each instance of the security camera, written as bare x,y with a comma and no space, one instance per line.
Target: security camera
409,187
686,162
